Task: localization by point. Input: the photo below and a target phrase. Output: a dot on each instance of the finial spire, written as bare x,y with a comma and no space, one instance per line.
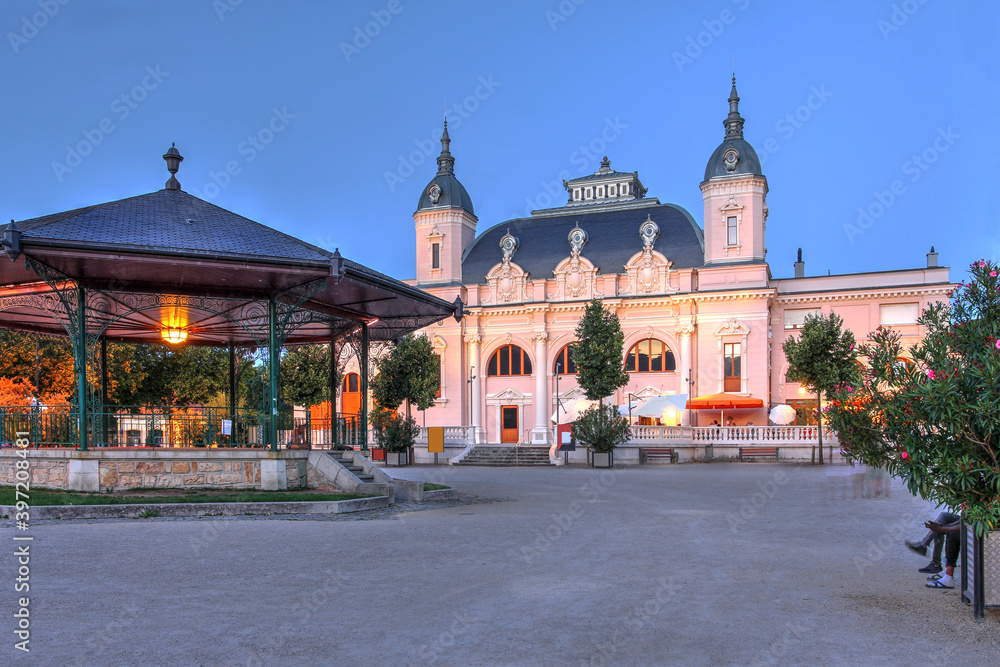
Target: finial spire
446,163
174,159
734,122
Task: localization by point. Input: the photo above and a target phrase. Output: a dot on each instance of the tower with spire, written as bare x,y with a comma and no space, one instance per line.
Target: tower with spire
445,222
735,195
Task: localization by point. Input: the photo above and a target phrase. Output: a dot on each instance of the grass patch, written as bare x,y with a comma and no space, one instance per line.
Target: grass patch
434,487
54,497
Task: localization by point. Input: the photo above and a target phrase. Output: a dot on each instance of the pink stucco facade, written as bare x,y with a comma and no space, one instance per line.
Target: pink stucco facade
698,291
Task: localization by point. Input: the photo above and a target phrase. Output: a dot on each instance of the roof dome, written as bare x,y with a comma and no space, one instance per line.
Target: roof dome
734,156
444,190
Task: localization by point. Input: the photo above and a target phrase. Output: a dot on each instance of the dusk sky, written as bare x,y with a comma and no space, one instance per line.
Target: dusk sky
875,121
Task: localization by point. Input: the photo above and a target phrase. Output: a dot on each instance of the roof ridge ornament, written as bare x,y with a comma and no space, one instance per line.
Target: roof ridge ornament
605,166
734,122
509,245
174,159
446,163
649,231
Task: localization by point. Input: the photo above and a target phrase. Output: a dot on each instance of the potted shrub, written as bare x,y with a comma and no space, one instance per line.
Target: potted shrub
395,434
933,422
602,428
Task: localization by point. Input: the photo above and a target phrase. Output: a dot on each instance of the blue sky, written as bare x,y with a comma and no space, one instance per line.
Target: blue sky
884,108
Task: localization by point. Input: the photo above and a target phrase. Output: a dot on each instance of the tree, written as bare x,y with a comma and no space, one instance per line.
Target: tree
598,352
934,421
409,373
600,372
305,375
823,357
55,362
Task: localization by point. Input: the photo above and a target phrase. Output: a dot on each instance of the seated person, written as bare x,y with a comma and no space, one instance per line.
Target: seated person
952,550
920,546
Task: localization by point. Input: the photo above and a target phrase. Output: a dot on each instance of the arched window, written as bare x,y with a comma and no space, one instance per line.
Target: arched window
509,360
563,365
649,356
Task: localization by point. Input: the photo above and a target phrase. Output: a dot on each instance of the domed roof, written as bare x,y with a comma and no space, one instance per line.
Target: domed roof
721,164
444,190
734,156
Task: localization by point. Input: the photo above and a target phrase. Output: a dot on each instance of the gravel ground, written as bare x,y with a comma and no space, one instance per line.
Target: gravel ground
722,564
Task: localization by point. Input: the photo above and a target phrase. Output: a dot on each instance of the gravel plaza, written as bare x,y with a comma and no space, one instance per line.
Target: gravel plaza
715,564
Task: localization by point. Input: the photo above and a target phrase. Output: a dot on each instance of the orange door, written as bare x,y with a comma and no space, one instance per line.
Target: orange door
350,395
508,423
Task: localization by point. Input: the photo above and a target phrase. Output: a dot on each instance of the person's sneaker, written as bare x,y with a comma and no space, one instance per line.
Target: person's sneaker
931,568
916,547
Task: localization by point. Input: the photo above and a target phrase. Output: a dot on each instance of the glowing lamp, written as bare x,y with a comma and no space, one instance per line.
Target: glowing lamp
174,335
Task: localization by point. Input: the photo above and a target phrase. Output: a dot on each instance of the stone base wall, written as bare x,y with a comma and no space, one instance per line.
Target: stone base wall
50,474
120,469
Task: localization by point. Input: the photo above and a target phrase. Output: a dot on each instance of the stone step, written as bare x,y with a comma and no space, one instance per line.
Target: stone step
508,457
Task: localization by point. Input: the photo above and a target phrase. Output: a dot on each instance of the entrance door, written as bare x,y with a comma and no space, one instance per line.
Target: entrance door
350,395
508,423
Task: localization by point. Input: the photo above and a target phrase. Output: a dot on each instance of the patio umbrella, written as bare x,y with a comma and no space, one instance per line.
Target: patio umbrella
569,411
782,414
724,402
657,405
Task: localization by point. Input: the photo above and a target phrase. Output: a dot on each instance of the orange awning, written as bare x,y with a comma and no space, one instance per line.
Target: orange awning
724,402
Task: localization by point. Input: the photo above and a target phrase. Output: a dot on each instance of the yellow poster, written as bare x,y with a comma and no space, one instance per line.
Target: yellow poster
435,439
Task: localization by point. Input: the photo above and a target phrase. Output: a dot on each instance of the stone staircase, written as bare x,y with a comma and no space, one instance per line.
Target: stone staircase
500,456
346,459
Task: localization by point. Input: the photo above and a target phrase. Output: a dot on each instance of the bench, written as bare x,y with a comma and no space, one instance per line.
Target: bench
645,454
753,453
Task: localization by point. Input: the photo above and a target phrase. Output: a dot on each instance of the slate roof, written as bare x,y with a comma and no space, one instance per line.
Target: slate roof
453,195
603,176
613,239
171,221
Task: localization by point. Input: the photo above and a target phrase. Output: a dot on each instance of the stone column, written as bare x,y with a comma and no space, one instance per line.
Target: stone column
540,434
686,368
476,369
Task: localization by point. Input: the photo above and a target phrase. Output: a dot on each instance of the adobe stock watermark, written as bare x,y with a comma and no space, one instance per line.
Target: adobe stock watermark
562,12
637,618
561,523
794,121
122,107
898,17
776,653
750,507
223,7
431,653
583,158
430,146
30,25
363,35
915,167
700,41
247,150
891,537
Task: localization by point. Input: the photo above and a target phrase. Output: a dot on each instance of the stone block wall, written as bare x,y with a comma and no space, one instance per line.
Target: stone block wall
50,474
179,474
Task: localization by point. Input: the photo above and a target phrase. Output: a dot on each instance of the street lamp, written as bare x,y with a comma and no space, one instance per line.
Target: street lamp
689,381
559,405
629,396
472,376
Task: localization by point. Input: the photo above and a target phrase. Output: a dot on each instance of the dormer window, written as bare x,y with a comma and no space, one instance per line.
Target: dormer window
576,194
614,190
589,193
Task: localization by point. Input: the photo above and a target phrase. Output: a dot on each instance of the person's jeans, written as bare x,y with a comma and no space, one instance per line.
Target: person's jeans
945,519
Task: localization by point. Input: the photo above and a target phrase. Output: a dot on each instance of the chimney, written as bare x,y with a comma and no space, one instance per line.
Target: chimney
932,259
800,266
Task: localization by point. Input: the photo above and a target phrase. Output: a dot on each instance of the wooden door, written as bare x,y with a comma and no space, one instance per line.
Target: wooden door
508,423
350,396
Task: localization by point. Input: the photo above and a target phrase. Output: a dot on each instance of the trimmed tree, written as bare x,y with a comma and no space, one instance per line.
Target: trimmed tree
305,375
822,357
934,421
600,372
410,373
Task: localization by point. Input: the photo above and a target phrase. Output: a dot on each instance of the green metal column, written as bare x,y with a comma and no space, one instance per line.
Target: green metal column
333,390
80,352
364,386
106,440
274,364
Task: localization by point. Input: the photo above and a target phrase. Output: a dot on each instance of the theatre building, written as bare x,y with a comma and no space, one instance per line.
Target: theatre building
701,312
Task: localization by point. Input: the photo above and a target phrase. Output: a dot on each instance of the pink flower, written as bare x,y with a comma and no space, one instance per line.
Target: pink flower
930,373
848,389
852,346
998,343
905,455
993,274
